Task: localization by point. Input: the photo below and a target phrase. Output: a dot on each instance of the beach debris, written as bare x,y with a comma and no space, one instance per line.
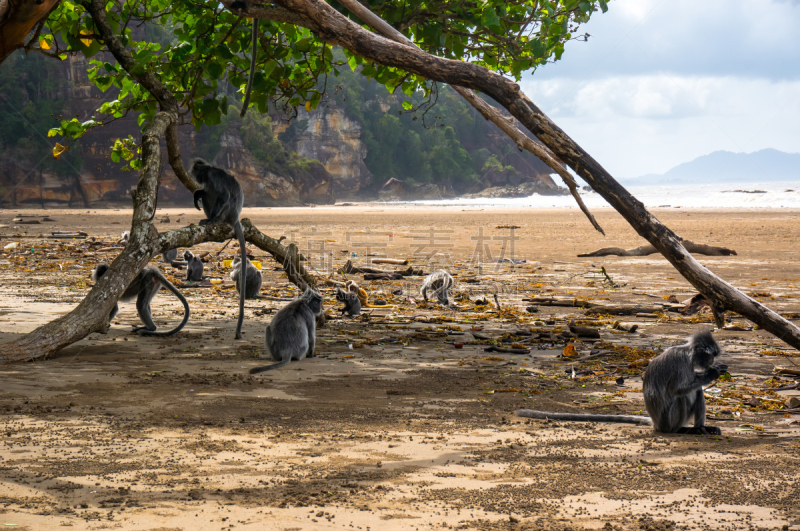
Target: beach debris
69,234
646,250
583,331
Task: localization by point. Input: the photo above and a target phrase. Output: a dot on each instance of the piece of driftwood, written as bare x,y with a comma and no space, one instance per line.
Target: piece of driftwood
645,250
383,276
350,269
784,370
26,221
583,331
61,234
392,261
622,309
625,327
507,350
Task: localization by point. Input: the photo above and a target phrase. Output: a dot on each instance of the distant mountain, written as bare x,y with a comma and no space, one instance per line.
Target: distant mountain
728,167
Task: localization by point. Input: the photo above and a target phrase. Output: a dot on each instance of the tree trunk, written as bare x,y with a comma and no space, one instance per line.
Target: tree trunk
334,27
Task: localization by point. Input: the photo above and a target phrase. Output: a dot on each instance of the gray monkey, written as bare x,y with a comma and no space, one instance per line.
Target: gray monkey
253,278
170,256
673,390
222,198
352,304
292,333
194,267
143,288
439,282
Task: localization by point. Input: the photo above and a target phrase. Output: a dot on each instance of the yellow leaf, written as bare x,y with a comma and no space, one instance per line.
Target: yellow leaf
44,45
86,42
569,350
59,150
308,106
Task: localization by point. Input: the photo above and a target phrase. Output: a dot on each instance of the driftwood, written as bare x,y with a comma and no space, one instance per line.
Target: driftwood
383,276
583,331
507,350
61,234
645,250
594,308
350,269
392,261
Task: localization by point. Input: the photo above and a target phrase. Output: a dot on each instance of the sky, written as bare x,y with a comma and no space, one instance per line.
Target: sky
661,82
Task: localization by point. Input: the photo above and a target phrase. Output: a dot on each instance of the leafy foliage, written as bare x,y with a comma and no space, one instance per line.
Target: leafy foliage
206,54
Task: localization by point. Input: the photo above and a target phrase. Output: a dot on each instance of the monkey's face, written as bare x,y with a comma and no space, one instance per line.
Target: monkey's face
187,256
315,303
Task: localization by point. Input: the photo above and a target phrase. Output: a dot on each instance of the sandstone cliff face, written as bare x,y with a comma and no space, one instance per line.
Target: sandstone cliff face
262,187
330,137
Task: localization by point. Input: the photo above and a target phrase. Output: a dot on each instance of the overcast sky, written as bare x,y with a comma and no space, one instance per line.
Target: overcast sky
661,82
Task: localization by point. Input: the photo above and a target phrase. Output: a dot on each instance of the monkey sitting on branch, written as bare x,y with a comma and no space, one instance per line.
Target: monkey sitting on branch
222,199
143,288
292,333
673,390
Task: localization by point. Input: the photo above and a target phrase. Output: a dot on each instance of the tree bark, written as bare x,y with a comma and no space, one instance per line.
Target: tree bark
17,19
645,250
335,28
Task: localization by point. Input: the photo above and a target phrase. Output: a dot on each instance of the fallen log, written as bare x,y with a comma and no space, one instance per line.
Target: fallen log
583,331
622,309
383,276
645,250
350,269
507,350
392,261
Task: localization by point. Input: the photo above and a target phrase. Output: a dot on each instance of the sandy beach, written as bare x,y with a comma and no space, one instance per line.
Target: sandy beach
391,426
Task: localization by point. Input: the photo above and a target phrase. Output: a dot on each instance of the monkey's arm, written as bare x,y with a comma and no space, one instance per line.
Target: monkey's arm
198,196
701,379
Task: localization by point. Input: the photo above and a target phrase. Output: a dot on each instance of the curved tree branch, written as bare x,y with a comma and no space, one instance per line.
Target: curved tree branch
17,19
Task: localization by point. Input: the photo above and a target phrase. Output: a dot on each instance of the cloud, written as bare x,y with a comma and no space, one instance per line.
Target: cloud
690,37
661,82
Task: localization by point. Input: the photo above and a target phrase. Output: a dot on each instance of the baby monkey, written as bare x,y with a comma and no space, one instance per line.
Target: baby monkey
673,390
194,267
252,280
143,288
352,304
292,333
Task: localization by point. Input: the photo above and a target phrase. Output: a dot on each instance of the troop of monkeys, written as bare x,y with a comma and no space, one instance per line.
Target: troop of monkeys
672,383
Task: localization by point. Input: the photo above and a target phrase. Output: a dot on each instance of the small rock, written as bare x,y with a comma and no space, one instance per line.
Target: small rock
792,402
754,402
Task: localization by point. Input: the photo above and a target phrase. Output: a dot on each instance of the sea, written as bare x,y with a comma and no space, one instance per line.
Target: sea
761,195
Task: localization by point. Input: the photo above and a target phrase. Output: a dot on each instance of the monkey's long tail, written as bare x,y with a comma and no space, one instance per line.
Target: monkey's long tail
237,228
256,370
186,313
582,417
252,70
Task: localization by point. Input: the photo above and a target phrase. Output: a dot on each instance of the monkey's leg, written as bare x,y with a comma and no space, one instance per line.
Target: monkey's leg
143,308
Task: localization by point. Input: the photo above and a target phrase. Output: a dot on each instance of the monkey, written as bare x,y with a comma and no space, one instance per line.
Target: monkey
170,256
352,304
222,198
253,278
143,288
439,282
292,333
194,267
241,5
673,390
